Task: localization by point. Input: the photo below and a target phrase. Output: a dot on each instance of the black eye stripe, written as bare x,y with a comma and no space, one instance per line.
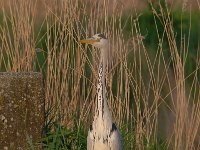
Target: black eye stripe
102,36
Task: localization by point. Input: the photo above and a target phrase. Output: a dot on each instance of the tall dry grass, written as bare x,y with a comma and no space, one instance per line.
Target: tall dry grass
148,95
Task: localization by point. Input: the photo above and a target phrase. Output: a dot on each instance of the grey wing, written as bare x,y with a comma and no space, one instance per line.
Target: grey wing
90,141
116,141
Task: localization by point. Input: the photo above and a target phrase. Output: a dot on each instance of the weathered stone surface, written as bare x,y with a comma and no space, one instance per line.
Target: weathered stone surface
21,109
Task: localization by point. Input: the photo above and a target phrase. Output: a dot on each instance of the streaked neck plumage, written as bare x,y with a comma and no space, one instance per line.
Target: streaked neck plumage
101,104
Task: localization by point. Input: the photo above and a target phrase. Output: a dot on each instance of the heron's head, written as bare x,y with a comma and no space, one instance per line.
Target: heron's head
97,40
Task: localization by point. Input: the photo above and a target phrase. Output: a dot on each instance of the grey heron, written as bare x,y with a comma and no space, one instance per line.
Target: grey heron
103,133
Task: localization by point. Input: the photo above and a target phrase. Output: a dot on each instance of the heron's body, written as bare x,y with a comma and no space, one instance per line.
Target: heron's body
103,133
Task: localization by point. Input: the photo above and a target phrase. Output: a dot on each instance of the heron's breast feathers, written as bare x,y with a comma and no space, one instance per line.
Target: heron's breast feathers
105,139
101,132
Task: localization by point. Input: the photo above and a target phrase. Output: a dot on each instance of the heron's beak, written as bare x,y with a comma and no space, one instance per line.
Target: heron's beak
89,41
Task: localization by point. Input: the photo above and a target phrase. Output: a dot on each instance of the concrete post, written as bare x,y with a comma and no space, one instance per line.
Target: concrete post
21,109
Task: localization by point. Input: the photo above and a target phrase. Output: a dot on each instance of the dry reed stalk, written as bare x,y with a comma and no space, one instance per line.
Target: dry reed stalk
18,37
182,128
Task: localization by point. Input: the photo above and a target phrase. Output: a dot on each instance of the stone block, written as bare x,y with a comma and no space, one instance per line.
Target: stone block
21,109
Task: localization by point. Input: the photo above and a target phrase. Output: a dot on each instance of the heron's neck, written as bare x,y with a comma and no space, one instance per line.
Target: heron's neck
101,105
